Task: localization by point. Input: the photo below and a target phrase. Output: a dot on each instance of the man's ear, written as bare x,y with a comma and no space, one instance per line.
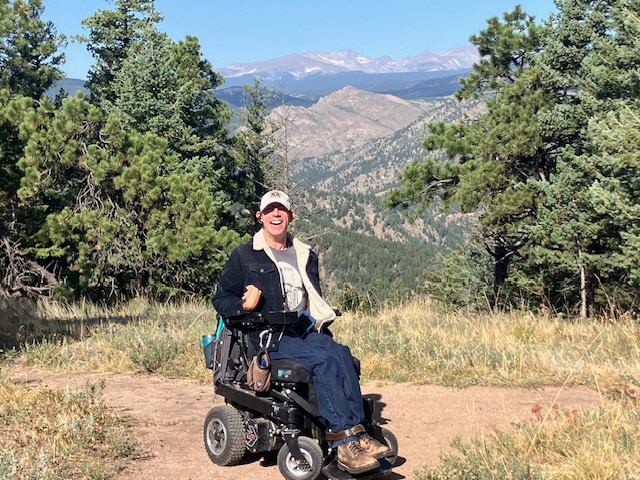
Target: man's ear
259,216
292,215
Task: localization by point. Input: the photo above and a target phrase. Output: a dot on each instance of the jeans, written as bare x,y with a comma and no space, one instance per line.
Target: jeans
333,373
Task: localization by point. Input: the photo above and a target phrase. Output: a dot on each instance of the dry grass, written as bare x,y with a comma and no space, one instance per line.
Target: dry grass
596,444
414,342
421,344
156,338
50,434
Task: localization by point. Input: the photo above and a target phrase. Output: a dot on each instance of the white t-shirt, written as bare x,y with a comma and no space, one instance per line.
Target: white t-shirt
294,292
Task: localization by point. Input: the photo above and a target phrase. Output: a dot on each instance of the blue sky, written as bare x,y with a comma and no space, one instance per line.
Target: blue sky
242,31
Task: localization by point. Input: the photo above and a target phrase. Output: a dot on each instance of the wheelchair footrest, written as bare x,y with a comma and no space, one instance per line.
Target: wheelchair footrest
332,472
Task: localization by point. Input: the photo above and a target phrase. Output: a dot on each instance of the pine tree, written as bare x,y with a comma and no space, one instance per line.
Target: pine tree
120,213
538,166
255,146
29,65
168,88
111,33
589,64
29,49
140,189
493,158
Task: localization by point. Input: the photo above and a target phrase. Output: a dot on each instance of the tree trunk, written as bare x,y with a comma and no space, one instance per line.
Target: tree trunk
500,266
585,288
144,277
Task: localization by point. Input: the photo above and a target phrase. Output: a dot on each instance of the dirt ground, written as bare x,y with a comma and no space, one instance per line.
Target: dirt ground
169,416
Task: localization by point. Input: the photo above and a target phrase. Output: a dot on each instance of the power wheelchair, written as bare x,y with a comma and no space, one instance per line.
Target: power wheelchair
284,418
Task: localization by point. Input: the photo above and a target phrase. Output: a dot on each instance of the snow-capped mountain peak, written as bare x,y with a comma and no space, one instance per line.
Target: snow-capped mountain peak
300,65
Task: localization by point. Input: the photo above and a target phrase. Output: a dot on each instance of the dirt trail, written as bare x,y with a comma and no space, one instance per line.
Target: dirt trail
170,413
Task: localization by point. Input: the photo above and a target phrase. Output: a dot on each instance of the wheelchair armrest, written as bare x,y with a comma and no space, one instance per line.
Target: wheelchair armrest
245,320
284,317
258,319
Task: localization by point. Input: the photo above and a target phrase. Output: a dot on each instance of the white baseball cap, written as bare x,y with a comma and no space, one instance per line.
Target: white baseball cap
275,196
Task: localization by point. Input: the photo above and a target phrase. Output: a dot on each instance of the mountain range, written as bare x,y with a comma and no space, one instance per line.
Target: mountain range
305,77
301,65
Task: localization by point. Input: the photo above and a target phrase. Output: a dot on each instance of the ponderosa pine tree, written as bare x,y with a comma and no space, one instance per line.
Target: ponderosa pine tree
29,65
493,158
120,213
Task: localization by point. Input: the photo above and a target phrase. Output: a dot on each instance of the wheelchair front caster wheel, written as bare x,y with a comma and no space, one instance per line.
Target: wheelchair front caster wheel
392,442
293,469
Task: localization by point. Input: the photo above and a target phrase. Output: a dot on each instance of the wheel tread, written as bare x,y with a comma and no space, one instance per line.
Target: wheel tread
234,451
316,456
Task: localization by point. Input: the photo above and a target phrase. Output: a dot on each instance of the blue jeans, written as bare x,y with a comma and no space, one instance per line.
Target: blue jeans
334,376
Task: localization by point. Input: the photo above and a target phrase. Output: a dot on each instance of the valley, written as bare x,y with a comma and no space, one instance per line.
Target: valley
343,154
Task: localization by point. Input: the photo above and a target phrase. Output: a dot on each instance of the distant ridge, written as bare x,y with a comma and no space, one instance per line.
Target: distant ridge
69,85
306,77
301,65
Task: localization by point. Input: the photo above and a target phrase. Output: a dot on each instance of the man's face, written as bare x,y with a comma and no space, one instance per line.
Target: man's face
275,219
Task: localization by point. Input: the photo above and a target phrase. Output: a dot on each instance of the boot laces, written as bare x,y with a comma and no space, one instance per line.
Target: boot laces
366,439
355,448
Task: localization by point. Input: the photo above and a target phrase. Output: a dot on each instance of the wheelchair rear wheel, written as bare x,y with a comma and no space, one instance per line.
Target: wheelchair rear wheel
224,435
309,469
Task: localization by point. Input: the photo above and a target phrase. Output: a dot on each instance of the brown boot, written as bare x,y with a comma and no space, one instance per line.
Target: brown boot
353,459
373,447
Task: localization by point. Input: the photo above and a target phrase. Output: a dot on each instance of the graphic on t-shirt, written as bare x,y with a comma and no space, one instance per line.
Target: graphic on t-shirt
294,291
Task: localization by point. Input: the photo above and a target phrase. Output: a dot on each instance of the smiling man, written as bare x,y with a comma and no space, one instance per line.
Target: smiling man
276,272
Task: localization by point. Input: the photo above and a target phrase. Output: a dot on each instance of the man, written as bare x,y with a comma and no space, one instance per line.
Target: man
275,272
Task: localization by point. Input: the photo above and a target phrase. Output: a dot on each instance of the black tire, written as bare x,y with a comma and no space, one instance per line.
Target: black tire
224,435
392,443
291,469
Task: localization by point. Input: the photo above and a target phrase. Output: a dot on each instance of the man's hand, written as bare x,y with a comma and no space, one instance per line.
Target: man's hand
251,297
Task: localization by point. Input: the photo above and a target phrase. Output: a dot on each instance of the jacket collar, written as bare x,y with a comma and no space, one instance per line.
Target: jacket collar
318,307
260,243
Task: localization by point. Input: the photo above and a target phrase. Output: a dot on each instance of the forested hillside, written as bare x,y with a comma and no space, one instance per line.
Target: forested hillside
339,194
371,247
